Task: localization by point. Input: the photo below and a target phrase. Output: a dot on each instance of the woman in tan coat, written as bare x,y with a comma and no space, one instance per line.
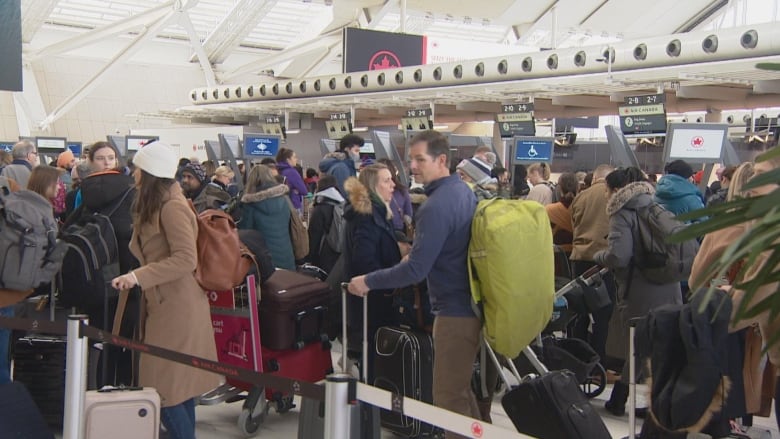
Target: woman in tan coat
176,311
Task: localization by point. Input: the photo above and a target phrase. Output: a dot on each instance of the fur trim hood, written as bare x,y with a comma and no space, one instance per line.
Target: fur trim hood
275,191
338,155
360,198
628,193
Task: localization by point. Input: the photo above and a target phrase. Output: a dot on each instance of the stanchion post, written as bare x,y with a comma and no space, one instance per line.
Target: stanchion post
75,378
631,383
337,410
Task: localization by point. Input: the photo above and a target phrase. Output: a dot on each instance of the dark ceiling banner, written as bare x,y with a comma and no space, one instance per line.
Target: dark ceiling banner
11,45
375,50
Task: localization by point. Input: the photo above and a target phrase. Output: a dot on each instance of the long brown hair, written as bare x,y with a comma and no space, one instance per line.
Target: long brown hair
148,198
42,178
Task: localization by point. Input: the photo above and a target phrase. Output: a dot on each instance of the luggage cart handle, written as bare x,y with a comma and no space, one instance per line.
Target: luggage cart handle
344,347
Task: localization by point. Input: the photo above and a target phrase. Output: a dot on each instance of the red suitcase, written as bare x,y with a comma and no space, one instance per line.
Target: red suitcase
310,364
292,310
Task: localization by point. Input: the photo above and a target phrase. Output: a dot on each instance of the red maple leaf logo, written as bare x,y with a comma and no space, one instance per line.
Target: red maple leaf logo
697,142
384,59
476,429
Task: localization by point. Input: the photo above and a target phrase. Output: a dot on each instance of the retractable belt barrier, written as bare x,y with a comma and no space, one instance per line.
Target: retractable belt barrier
439,417
305,389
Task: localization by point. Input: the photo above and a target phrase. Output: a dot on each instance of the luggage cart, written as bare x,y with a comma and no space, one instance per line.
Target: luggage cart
567,353
234,316
236,322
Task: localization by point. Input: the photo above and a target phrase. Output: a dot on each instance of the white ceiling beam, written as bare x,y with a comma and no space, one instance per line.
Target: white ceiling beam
34,13
291,53
234,28
128,24
711,92
208,72
131,49
767,86
376,15
301,66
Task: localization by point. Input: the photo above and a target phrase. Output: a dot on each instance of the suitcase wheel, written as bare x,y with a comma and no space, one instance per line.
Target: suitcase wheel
595,383
253,412
273,366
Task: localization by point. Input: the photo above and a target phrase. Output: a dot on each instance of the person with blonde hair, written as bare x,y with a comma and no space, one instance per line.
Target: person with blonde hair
267,210
370,245
223,177
541,192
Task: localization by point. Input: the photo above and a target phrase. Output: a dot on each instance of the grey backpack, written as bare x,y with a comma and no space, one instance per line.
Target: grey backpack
659,261
30,254
335,236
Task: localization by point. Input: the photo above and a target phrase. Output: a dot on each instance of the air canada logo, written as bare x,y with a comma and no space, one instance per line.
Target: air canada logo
697,142
384,59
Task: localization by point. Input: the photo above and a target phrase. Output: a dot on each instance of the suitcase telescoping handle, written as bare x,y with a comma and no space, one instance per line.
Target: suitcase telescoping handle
344,342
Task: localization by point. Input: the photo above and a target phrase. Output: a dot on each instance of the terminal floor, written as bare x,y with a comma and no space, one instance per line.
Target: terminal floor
220,421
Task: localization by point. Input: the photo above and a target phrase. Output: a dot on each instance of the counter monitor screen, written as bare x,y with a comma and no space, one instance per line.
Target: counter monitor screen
54,145
695,142
135,143
75,148
533,149
260,146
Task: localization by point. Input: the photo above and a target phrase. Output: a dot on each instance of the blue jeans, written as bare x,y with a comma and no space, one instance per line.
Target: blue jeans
179,420
5,340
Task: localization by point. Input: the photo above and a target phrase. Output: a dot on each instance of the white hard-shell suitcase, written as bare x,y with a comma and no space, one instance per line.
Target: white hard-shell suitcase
122,413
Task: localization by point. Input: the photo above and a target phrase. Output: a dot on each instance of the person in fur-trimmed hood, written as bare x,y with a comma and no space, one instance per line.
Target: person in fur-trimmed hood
629,191
267,210
371,245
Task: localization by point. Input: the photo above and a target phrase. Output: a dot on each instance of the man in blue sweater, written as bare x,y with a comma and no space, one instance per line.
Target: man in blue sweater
440,254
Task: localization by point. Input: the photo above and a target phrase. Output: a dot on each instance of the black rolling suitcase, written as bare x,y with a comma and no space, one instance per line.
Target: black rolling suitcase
364,418
403,365
553,406
39,364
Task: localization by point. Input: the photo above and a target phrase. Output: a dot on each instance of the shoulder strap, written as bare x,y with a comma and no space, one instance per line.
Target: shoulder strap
122,199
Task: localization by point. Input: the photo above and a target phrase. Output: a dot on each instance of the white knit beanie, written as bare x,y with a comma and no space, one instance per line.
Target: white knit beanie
158,159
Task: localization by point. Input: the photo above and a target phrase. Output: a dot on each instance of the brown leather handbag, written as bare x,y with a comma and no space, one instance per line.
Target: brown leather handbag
223,261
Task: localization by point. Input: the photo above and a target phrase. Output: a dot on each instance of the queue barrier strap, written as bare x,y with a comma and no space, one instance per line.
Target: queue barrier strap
302,388
451,421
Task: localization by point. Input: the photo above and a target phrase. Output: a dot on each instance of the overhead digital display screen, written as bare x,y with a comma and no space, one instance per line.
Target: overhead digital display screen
534,150
643,115
260,146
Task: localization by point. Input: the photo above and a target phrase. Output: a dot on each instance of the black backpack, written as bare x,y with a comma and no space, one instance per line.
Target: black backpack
659,261
92,259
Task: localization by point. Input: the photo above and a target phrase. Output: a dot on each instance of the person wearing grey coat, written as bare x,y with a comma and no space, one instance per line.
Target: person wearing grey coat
636,294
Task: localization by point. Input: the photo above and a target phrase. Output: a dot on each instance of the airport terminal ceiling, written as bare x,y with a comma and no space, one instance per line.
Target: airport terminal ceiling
249,43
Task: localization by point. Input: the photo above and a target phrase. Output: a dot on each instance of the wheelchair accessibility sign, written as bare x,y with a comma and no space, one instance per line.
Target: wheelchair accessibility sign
533,150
